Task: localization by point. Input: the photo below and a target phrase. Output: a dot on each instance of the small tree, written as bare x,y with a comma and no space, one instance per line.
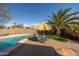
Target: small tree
4,14
15,25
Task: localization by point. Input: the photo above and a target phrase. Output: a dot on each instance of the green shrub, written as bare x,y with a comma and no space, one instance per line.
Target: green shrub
56,37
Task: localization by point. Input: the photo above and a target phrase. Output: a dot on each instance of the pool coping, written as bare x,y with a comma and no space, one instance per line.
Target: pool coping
9,50
14,35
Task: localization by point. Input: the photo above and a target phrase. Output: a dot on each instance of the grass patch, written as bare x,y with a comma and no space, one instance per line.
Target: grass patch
58,38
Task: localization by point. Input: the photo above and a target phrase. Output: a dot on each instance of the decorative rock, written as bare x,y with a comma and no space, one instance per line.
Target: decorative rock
67,52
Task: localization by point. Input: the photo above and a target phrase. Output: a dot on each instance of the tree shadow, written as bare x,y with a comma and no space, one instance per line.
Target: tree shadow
34,50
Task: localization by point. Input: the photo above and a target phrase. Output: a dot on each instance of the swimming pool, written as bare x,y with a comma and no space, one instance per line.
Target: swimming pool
5,43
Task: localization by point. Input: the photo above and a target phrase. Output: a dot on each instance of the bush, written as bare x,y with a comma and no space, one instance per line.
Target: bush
56,37
6,34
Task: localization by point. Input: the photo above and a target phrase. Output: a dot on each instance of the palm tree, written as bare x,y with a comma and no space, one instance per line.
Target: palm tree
64,20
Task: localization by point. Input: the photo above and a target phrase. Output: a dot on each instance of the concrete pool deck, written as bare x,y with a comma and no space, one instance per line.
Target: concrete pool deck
31,48
14,35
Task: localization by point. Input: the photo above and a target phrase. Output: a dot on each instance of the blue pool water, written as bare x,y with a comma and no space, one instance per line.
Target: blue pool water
8,42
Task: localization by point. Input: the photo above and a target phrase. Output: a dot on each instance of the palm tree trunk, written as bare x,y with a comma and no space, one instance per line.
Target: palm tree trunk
58,32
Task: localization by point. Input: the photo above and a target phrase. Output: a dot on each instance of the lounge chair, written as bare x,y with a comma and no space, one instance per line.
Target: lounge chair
41,38
37,37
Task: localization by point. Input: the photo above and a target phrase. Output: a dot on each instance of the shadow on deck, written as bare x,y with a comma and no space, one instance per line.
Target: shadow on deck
33,50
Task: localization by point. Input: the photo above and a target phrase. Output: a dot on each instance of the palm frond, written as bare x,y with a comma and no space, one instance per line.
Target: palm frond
59,12
54,16
65,11
50,21
51,17
74,23
73,18
70,15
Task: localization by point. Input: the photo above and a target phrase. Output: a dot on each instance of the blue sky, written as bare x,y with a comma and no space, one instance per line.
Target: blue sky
26,13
